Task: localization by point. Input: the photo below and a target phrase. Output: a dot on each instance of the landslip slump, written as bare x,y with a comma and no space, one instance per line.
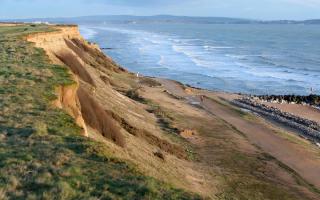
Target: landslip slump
67,47
68,101
54,44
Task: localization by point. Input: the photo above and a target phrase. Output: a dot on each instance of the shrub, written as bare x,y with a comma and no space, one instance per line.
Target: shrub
134,95
149,82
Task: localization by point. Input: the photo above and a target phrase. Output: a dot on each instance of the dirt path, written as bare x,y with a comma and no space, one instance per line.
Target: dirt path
304,161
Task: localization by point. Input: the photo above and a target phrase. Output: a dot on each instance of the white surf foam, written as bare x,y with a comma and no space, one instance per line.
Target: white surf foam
87,33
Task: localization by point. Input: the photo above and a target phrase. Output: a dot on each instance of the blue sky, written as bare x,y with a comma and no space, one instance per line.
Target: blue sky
254,9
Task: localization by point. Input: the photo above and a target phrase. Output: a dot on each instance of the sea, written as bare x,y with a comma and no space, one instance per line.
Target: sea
240,58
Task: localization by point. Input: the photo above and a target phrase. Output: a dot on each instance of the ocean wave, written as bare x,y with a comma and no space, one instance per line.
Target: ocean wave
206,47
87,33
192,55
161,61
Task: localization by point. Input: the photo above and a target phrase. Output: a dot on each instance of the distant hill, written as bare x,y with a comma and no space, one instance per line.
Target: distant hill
126,19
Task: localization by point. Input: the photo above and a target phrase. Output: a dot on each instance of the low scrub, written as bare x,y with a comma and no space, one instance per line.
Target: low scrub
164,145
134,95
149,82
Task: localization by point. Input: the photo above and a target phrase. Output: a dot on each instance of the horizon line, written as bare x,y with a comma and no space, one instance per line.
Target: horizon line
168,15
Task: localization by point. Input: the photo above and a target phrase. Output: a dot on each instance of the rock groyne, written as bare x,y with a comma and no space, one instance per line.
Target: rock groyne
307,128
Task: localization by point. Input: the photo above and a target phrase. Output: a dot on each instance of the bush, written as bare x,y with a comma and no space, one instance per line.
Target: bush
134,95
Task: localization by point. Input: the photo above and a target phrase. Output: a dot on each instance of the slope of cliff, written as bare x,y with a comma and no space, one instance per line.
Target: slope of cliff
44,153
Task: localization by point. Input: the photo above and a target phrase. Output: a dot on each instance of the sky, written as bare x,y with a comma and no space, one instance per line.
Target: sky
250,9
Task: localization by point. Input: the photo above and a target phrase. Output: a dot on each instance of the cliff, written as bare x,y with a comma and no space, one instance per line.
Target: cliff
53,43
56,89
101,87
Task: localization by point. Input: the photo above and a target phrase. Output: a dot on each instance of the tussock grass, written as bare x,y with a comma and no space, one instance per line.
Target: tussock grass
149,82
134,95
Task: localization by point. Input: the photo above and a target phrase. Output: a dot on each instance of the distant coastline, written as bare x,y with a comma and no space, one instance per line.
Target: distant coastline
163,19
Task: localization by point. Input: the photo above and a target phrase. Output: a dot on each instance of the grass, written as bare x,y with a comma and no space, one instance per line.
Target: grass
166,120
42,155
243,114
134,95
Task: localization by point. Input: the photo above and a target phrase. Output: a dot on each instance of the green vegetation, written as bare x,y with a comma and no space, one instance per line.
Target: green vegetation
42,154
166,120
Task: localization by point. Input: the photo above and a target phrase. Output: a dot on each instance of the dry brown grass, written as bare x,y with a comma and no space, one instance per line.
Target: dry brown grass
162,144
95,116
105,79
75,65
149,82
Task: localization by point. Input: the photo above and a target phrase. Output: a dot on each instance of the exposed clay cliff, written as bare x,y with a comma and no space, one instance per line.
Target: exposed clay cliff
68,101
101,103
54,43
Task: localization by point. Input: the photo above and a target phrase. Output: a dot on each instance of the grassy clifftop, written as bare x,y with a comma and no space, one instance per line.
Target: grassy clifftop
42,153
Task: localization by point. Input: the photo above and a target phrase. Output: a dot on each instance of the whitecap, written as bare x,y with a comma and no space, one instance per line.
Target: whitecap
87,33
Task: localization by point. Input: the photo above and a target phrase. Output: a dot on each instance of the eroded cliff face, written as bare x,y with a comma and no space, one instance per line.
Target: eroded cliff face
66,46
100,104
68,101
54,43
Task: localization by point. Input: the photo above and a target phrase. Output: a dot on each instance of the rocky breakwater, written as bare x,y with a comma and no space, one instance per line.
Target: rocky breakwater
312,100
306,128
